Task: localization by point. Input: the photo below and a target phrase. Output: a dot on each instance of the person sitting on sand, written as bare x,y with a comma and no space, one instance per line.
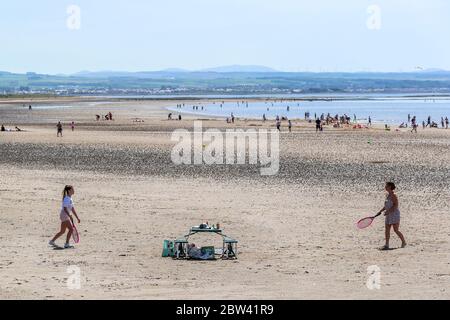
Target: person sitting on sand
97,117
65,217
169,117
392,213
18,129
179,117
3,128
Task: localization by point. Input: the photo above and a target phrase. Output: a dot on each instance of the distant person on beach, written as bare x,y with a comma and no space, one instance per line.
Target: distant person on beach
97,117
392,214
446,123
65,216
3,128
18,129
278,123
318,125
72,126
59,128
370,121
179,117
423,124
264,117
290,125
442,122
429,121
169,117
30,107
414,125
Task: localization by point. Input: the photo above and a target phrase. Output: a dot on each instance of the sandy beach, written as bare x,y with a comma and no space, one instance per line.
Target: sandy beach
296,230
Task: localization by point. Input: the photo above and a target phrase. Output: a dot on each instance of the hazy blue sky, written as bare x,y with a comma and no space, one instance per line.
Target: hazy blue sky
289,35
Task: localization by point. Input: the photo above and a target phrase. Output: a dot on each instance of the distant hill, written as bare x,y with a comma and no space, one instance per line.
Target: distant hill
145,74
239,68
227,80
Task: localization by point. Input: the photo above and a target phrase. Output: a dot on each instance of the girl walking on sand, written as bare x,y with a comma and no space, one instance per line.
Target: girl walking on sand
66,218
392,213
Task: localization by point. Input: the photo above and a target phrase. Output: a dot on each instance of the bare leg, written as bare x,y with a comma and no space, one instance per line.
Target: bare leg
387,235
69,234
400,235
61,232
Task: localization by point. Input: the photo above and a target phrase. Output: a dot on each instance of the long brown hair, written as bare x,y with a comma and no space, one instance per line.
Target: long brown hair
66,191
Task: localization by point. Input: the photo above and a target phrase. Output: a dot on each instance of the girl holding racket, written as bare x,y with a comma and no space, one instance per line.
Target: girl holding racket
392,214
66,218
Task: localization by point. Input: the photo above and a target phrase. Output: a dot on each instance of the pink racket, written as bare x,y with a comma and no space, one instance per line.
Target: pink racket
367,222
75,234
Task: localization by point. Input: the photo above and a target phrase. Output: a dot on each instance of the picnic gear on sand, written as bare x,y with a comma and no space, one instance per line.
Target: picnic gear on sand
180,248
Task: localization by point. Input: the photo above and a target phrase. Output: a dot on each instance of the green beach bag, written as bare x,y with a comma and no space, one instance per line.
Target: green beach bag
168,247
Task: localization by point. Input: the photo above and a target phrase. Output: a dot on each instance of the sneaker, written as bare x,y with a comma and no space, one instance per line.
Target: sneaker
67,246
52,243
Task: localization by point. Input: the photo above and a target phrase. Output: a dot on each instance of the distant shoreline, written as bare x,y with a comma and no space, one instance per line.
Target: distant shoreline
264,97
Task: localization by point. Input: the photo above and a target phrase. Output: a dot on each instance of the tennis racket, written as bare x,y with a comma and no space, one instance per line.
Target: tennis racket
367,222
75,234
